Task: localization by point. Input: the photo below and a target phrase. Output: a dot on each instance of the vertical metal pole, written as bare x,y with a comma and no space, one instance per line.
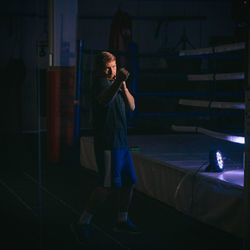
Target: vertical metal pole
39,165
51,32
247,139
79,74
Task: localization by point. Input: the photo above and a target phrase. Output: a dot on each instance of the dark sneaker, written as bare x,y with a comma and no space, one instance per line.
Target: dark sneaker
81,232
126,227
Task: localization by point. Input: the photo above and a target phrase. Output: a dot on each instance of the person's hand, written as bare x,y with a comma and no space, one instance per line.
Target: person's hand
122,74
124,86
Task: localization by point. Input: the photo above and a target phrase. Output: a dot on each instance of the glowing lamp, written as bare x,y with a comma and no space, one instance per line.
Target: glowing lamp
216,163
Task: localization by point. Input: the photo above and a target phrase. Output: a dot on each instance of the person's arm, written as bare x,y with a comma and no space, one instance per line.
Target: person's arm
129,97
109,93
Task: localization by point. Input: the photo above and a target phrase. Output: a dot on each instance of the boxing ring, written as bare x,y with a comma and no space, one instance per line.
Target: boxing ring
170,166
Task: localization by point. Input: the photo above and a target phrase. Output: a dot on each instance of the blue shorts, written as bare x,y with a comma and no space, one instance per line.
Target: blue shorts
115,167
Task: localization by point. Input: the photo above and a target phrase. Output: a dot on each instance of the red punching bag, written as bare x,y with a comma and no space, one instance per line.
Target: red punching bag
60,110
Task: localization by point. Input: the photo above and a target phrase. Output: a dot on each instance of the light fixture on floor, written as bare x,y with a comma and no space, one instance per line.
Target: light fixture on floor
216,163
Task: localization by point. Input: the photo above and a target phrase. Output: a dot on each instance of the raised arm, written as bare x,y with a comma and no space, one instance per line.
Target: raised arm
129,97
109,93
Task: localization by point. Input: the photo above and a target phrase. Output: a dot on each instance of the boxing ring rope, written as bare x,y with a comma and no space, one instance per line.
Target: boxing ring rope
206,104
213,104
217,77
212,50
222,136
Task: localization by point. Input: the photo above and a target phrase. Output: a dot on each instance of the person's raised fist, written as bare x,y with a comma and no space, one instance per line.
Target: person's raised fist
122,74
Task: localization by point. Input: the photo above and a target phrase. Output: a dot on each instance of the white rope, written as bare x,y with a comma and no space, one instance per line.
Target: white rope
229,47
195,52
211,50
218,77
218,135
221,105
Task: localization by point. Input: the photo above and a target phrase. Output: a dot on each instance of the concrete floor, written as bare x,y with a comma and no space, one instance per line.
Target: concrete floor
39,218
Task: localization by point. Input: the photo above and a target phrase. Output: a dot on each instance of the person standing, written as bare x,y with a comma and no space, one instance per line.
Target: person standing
111,98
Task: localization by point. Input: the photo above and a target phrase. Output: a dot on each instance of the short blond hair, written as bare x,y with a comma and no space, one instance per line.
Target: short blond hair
102,58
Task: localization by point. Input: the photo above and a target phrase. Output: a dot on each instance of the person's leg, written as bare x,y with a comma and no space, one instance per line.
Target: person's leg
124,224
82,227
125,195
97,197
124,179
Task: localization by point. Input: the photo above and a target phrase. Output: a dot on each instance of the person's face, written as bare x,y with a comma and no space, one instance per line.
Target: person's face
110,70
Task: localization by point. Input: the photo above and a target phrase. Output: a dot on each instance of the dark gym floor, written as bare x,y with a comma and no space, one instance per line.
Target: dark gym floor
38,207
